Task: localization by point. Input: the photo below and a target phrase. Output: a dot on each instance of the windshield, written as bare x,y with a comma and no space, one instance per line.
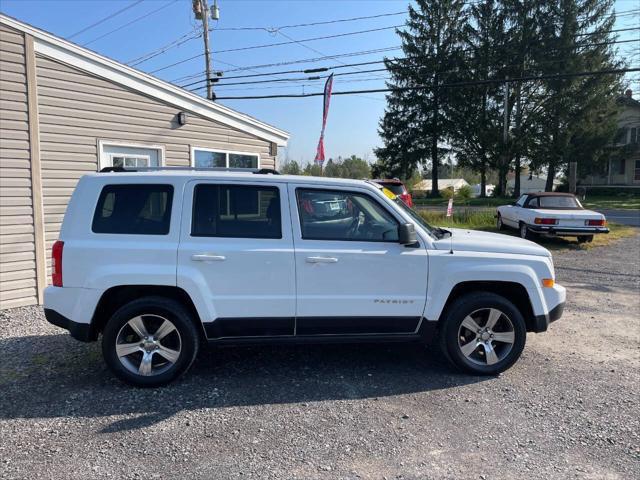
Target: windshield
416,216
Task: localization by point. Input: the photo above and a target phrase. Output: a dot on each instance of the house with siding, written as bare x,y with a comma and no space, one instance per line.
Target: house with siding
66,111
623,166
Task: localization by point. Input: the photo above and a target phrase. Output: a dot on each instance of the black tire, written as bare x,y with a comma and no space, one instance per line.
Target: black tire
152,310
499,224
585,238
450,328
524,231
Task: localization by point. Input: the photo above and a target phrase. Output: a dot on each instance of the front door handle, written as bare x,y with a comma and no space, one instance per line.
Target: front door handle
322,260
207,257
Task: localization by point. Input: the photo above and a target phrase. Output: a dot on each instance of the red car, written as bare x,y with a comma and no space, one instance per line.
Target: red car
397,187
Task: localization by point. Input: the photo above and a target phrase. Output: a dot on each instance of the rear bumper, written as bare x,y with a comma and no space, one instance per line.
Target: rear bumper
566,231
79,331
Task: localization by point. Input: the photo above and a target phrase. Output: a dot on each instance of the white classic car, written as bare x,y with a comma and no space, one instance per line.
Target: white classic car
551,214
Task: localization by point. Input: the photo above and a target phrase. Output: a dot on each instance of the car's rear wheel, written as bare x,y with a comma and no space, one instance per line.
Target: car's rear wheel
483,333
585,238
150,341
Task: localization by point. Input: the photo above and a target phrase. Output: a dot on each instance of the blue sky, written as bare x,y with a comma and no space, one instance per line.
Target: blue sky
353,120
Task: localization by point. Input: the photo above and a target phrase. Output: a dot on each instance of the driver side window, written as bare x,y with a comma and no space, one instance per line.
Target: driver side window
343,216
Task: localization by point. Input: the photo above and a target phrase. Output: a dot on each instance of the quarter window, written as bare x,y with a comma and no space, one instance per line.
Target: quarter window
345,216
240,211
134,209
521,200
206,158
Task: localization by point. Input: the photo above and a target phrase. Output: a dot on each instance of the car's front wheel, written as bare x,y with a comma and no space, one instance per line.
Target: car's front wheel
525,232
150,341
500,223
483,333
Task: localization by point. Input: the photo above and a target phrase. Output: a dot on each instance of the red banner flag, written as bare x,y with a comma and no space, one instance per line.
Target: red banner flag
325,113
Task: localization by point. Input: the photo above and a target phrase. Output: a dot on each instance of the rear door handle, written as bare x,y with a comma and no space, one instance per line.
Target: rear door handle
207,257
322,260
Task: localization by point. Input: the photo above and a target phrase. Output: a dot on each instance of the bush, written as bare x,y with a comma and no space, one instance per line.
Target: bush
464,192
447,193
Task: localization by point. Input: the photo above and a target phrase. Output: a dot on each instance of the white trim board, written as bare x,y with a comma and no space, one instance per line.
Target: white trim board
66,52
102,158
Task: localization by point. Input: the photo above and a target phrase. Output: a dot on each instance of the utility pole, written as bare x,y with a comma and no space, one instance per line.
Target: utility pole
201,12
505,140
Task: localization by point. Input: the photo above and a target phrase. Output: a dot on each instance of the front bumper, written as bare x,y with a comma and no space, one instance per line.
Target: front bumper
555,299
553,230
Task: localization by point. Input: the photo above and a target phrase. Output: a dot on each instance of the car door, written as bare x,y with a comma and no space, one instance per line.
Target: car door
236,254
352,275
512,215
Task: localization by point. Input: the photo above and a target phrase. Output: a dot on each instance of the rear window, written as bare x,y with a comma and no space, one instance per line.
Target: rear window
558,202
134,209
396,188
240,211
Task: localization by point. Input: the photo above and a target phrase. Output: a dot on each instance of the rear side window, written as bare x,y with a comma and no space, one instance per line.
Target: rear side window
134,209
396,188
240,211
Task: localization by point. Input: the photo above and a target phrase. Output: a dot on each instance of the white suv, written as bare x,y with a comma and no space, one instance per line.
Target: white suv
158,261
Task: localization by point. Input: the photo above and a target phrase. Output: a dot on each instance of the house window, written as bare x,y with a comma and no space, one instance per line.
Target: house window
209,158
635,134
636,174
129,155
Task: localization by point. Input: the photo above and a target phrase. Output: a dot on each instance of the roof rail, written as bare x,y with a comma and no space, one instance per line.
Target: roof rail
259,171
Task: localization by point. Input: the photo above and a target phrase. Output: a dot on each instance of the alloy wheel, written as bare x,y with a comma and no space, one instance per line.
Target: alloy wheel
148,345
486,336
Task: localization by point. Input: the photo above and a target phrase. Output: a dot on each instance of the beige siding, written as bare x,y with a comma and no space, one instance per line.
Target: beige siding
77,109
17,250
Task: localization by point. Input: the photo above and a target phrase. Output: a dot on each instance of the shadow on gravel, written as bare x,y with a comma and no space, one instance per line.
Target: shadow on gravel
55,376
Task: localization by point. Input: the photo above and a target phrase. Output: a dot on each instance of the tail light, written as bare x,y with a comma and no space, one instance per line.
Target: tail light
56,264
595,223
545,221
406,198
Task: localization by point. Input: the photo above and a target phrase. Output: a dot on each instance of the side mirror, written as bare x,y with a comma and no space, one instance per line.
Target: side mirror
407,234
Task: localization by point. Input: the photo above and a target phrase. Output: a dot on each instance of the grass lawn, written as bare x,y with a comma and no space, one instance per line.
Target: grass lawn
626,202
485,221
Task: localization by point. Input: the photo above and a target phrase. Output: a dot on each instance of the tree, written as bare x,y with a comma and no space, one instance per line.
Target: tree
578,109
416,121
312,169
477,122
355,167
291,168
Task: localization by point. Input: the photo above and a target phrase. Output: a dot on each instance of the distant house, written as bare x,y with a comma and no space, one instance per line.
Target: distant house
530,183
488,189
66,111
443,183
622,169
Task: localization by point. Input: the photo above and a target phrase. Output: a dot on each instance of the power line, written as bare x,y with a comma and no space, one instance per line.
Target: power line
254,47
137,19
102,20
393,67
161,50
443,85
326,22
294,62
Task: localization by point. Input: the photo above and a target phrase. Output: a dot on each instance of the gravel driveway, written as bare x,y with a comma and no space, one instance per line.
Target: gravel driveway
568,409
